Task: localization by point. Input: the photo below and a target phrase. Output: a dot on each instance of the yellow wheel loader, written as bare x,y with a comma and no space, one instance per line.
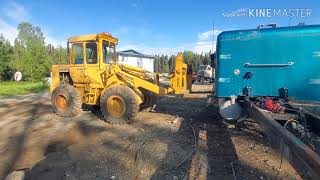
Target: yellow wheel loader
94,77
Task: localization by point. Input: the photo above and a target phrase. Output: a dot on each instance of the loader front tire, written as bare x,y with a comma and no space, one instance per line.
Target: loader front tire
66,101
119,104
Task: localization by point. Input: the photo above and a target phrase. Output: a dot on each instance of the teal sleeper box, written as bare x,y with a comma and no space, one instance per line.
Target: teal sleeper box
266,62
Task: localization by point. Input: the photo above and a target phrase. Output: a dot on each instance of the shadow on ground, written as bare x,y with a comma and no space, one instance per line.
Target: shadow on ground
156,145
215,156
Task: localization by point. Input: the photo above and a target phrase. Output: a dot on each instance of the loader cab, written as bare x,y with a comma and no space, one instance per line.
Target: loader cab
97,49
90,55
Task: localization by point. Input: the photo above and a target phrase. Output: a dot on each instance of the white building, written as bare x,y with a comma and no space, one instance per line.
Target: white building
134,58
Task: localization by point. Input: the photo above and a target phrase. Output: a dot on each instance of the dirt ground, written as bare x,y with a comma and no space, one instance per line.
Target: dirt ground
183,138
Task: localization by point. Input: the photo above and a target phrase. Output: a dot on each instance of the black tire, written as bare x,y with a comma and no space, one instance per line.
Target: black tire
150,100
130,103
73,101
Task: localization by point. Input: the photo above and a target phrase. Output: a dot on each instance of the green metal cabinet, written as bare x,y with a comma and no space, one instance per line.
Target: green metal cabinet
266,62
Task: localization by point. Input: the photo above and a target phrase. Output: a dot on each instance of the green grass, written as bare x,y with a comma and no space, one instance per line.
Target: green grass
17,88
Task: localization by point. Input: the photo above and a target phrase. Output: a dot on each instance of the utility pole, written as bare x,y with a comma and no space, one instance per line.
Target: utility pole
212,35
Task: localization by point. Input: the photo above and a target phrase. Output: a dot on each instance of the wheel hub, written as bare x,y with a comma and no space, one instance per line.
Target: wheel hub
116,106
61,103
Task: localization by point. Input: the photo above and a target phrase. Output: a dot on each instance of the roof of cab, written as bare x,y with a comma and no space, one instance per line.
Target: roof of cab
92,37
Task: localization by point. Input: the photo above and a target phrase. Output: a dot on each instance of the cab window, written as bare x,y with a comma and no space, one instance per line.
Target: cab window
108,52
91,53
77,54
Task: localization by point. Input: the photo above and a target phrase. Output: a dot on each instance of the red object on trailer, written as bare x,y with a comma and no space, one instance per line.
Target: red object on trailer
272,106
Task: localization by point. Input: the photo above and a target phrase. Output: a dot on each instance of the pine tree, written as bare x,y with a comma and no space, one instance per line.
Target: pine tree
30,54
6,51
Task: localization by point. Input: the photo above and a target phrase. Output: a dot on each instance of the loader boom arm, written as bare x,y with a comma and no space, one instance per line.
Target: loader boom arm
180,80
138,82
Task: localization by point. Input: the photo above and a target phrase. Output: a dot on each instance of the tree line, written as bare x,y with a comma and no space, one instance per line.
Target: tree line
30,55
165,64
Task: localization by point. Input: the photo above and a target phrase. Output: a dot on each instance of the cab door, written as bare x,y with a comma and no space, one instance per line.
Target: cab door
77,69
92,68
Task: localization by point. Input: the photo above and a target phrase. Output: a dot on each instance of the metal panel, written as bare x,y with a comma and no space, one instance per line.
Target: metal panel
276,58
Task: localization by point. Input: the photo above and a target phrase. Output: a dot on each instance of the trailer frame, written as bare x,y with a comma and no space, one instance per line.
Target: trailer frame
301,157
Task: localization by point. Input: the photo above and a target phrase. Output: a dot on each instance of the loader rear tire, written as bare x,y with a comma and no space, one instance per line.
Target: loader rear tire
150,100
66,101
119,105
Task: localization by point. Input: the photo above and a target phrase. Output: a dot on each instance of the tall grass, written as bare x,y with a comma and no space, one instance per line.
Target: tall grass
17,88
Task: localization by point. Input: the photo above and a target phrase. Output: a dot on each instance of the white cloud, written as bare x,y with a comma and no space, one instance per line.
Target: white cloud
208,35
127,47
16,11
198,47
55,42
152,50
206,41
204,46
9,32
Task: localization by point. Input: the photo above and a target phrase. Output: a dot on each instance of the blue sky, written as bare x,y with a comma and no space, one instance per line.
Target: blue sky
148,26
